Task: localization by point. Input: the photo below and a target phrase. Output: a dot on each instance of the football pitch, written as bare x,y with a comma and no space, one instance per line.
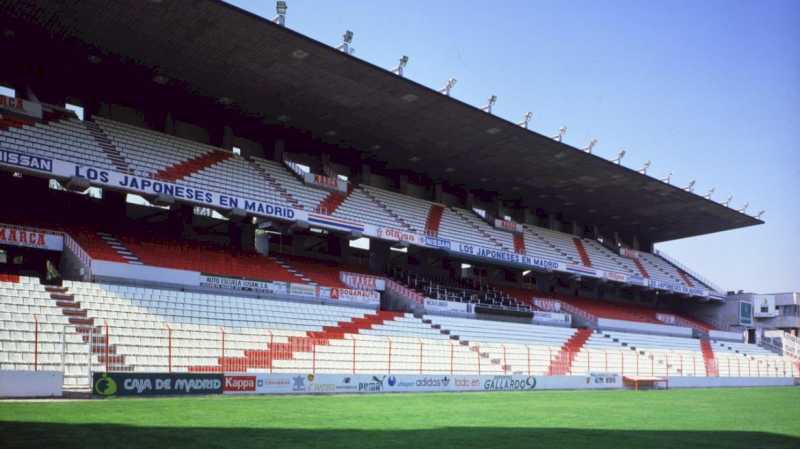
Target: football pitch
719,418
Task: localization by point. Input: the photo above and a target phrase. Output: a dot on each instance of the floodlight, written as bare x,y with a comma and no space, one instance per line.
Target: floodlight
280,8
561,132
589,147
668,178
400,66
690,187
448,86
728,201
526,120
488,107
620,155
347,39
759,214
744,208
710,192
526,272
644,168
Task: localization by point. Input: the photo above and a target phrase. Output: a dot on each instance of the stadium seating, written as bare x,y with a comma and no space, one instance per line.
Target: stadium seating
36,335
157,330
358,205
512,347
467,291
109,144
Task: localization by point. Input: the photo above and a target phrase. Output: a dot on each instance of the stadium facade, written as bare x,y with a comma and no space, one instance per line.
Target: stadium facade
235,198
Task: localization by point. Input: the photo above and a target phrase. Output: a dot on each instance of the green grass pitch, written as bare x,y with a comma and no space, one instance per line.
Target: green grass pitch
715,418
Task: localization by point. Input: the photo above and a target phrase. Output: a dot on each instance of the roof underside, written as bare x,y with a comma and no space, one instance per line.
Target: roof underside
221,51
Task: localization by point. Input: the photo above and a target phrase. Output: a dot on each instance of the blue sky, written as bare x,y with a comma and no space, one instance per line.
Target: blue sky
708,90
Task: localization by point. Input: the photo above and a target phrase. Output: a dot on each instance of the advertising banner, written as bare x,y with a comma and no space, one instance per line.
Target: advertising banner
438,305
148,186
156,384
30,238
325,182
507,225
551,317
362,281
629,253
20,106
397,235
262,383
228,283
303,290
365,297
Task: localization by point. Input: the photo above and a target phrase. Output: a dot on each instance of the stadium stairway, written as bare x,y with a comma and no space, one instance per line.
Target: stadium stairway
120,248
562,363
262,359
434,219
641,268
89,332
186,168
461,214
708,358
311,271
12,122
334,199
585,260
519,243
386,209
277,186
474,347
685,278
105,144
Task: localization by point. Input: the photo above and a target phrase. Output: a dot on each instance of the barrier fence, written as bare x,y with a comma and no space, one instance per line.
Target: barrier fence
80,350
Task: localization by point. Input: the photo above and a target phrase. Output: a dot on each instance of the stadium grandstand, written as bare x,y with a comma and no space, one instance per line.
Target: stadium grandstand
278,207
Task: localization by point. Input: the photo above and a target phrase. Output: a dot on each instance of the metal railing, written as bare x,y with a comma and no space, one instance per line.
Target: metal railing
80,350
688,270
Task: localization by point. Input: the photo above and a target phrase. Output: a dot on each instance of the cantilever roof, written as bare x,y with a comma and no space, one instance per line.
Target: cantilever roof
219,50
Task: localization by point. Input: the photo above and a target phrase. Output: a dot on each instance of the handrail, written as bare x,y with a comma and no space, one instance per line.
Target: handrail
688,270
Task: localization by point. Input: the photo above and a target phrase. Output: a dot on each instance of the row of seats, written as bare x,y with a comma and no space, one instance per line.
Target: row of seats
145,329
148,153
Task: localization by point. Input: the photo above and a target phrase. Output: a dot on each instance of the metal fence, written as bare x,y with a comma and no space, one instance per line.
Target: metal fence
80,350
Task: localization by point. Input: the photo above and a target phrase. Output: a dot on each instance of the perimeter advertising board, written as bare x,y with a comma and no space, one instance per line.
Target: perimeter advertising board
155,384
250,383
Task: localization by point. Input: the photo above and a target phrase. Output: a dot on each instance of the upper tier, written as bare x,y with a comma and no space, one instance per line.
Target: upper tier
123,148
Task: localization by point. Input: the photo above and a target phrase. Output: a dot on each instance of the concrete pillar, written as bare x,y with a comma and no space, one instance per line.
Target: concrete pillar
437,193
469,200
278,150
635,243
179,219
378,255
325,165
529,217
576,229
403,180
595,232
227,137
261,242
552,222
114,202
498,210
169,124
366,174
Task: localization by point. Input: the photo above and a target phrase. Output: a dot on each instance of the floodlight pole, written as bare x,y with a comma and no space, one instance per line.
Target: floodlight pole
488,107
526,120
400,66
560,136
590,147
